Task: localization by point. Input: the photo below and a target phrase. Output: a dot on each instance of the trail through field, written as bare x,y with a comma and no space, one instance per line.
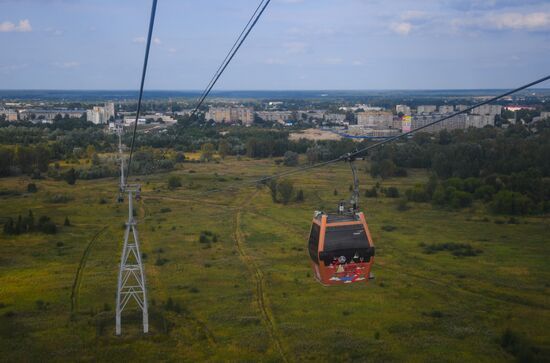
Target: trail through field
259,281
79,271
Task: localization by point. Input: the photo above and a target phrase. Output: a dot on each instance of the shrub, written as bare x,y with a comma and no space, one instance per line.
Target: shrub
174,182
403,205
165,210
300,196
290,158
457,249
389,228
59,198
392,192
508,202
371,193
67,222
31,188
285,190
418,194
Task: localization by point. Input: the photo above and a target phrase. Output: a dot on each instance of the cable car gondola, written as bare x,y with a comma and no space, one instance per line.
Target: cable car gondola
340,245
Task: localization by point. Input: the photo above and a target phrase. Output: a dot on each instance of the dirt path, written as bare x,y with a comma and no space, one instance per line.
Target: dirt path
260,288
79,271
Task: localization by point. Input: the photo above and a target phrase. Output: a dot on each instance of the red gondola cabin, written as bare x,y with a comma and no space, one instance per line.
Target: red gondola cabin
341,248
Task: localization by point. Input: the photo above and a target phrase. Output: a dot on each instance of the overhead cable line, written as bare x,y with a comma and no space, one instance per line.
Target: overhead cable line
143,73
357,153
234,49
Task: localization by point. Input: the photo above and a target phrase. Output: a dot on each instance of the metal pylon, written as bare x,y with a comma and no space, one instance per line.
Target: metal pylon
131,277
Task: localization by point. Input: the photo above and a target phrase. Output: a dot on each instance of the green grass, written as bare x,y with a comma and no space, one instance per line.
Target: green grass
421,307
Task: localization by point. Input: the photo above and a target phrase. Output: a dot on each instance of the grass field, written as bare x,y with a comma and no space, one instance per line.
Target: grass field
251,296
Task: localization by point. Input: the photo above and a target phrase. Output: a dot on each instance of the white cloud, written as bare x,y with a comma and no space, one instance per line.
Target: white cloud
295,47
357,63
414,15
172,50
143,40
530,21
23,26
333,61
10,68
274,61
67,65
403,28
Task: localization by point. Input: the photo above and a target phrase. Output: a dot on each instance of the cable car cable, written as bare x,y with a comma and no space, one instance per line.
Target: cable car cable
228,58
378,144
143,73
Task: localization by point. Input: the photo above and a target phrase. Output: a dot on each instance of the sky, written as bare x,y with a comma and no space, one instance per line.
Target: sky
297,45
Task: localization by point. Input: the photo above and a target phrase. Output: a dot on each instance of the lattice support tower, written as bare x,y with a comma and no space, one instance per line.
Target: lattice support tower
131,276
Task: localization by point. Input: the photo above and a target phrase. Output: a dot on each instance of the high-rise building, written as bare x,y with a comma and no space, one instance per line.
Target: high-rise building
404,109
231,114
375,119
101,115
425,109
446,109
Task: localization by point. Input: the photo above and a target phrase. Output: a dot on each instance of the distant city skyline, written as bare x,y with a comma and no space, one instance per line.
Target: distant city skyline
297,45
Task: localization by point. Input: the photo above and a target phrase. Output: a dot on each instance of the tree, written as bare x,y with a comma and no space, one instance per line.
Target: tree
90,151
300,196
31,188
313,154
207,151
9,228
286,190
223,148
290,158
273,189
70,176
67,223
174,182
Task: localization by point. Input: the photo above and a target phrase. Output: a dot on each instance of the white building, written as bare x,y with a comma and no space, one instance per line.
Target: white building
426,109
404,109
375,119
487,110
10,115
231,114
101,115
275,116
335,117
480,121
446,109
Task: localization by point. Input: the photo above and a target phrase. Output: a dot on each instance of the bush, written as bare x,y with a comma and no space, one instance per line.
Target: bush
165,210
460,199
371,193
290,158
59,198
457,249
300,196
392,192
285,189
174,182
403,205
418,194
31,188
70,176
508,202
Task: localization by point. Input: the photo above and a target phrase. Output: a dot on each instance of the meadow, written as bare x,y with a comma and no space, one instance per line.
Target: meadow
249,294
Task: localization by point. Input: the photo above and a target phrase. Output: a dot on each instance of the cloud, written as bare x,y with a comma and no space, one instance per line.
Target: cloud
332,61
414,15
506,21
357,63
143,40
172,50
67,65
295,47
274,61
10,68
23,26
403,28
532,21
